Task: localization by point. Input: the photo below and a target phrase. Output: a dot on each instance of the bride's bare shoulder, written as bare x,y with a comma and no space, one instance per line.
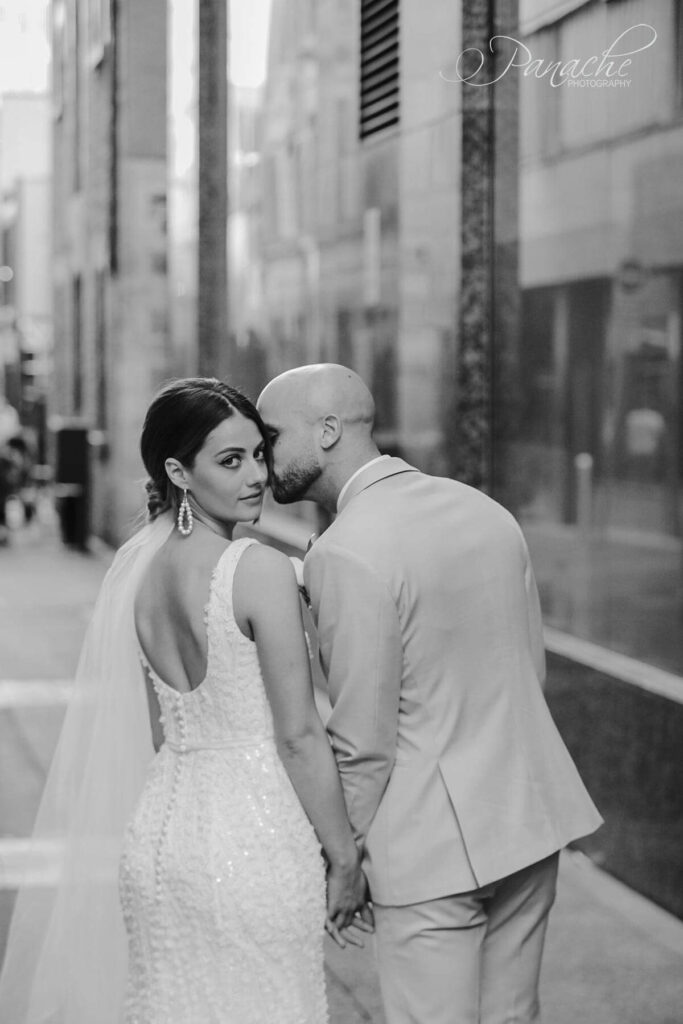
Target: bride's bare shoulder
263,576
264,563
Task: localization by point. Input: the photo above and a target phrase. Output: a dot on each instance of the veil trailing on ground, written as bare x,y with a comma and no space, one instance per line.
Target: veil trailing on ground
66,956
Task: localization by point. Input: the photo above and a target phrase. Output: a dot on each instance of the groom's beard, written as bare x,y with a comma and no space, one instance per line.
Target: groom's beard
294,483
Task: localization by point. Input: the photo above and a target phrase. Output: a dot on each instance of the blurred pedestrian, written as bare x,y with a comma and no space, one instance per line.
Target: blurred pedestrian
457,782
9,420
10,482
25,490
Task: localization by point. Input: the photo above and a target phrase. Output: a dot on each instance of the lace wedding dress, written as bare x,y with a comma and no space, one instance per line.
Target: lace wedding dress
221,877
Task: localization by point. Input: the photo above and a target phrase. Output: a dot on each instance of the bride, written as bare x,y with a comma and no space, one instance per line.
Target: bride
192,887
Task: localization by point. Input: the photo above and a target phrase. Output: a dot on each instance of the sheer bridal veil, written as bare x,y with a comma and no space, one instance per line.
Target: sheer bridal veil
66,952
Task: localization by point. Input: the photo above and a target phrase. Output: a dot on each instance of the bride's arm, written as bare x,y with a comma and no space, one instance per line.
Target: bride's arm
266,601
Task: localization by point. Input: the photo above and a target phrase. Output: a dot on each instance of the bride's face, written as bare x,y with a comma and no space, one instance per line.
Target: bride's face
228,479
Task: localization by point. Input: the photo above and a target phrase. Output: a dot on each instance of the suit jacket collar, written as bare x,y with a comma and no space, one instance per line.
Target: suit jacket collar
367,477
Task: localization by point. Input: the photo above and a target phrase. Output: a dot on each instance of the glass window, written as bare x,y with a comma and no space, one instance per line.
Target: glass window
597,443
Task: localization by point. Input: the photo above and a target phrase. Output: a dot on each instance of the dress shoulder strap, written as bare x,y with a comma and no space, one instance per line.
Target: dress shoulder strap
224,573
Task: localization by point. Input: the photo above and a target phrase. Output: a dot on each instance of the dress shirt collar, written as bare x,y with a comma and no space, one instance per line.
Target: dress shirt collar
378,458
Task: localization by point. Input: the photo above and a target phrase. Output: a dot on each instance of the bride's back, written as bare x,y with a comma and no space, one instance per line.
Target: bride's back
170,609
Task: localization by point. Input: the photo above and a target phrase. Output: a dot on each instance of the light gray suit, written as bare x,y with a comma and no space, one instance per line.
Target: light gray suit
430,637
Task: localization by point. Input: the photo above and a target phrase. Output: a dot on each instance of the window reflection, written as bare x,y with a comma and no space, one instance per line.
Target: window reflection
601,251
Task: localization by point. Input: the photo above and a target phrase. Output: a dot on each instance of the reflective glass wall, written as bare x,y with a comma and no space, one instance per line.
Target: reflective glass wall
598,432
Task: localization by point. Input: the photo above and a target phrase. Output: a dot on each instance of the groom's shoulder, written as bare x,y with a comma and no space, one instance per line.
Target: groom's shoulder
421,487
389,499
395,512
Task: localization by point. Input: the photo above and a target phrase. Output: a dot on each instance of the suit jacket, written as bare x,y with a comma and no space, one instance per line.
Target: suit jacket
431,641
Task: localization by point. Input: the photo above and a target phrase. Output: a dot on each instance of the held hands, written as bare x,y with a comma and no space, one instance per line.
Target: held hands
349,910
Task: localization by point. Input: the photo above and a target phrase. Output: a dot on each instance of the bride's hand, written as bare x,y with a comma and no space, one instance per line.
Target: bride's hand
348,906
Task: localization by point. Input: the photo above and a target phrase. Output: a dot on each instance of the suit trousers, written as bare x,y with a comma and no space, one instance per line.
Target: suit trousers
471,958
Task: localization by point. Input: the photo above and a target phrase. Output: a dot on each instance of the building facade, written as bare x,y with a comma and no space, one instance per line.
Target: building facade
360,243
140,221
25,254
109,224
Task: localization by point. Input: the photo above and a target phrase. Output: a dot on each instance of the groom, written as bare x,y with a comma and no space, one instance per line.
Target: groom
457,782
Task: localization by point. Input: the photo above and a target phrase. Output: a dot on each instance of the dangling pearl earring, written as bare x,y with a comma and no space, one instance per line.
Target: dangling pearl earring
185,520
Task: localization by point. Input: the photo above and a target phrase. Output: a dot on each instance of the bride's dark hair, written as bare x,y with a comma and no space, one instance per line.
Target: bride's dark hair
178,422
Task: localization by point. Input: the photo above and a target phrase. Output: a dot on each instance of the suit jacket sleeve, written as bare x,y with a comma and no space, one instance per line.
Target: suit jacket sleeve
361,654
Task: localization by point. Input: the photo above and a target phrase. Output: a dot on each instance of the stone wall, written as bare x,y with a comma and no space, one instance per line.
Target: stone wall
626,743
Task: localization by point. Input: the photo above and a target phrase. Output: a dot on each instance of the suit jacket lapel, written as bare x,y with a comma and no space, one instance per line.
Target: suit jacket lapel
371,475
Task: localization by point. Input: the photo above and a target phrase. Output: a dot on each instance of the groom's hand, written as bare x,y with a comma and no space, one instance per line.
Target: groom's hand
352,934
363,924
347,921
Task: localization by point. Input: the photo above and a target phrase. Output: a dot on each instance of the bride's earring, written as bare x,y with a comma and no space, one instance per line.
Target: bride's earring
185,520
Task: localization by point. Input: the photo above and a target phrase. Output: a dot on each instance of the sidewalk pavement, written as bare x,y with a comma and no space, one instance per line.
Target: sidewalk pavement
612,957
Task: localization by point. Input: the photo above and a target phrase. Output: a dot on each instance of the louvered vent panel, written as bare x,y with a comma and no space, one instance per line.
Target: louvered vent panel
379,83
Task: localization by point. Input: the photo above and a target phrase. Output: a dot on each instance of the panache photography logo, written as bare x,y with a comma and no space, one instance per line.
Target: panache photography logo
608,69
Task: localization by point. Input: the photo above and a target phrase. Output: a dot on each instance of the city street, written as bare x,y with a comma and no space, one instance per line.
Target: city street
612,957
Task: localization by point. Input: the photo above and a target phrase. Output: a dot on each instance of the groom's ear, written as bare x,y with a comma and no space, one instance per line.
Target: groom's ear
331,431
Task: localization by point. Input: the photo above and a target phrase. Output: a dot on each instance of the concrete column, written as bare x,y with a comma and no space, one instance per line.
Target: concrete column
198,185
212,144
488,264
505,293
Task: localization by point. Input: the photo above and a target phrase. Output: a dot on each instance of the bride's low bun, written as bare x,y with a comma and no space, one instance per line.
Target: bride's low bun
157,499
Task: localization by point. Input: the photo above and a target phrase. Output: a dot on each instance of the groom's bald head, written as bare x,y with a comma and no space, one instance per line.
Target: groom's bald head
320,390
318,416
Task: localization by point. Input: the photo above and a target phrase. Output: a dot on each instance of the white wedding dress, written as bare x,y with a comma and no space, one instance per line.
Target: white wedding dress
221,877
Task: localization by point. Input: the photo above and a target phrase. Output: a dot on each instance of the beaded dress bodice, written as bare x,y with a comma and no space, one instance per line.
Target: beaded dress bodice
222,882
